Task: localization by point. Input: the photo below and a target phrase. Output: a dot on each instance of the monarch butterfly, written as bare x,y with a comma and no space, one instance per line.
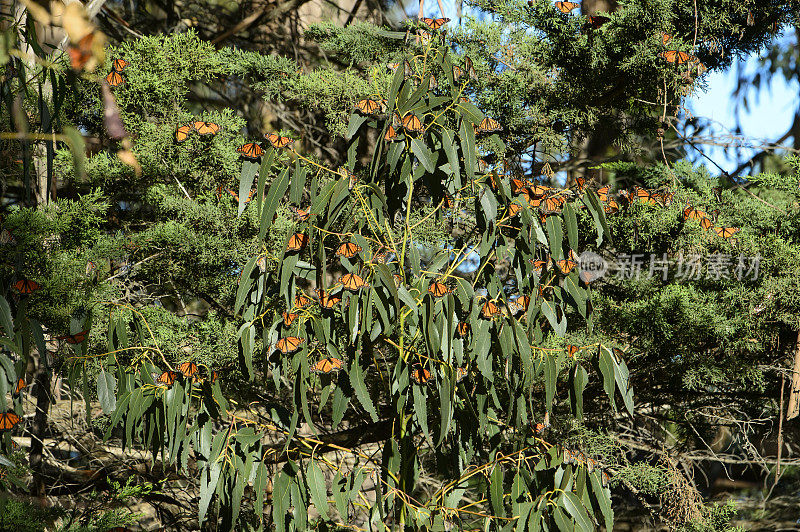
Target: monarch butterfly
412,123
277,141
300,214
514,209
488,125
26,286
119,64
205,128
539,190
571,350
407,70
664,198
352,282
8,420
433,83
605,478
463,329
580,183
288,318
437,289
597,21
461,374
552,204
645,196
168,378
602,193
435,23
80,53
352,178
518,186
690,213
490,310
618,353
6,237
726,232
188,368
541,427
381,256
566,7
289,345
470,68
538,265
261,262
348,250
302,301
20,386
665,38
532,199
590,464
213,377
327,365
182,133
251,150
398,279
519,304
91,267
566,265
458,72
391,134
567,456
706,223
73,339
114,79
611,207
674,56
420,375
297,242
236,196
368,107
328,301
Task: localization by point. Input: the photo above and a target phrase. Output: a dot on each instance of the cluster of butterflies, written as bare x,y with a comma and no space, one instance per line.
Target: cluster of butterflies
115,77
611,205
187,370
196,126
707,221
595,21
570,456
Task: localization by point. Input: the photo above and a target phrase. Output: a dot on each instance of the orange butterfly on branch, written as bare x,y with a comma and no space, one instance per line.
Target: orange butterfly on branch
437,289
8,420
327,365
182,133
353,282
297,242
435,23
566,7
369,107
611,207
690,213
552,204
726,232
463,329
20,386
674,56
645,196
602,193
81,52
302,301
514,209
26,286
411,123
188,368
289,345
300,214
391,134
487,126
348,250
327,301
251,151
665,38
490,309
73,339
706,223
114,79
539,265
277,141
119,64
288,318
518,304
206,128
420,375
168,378
571,350
568,264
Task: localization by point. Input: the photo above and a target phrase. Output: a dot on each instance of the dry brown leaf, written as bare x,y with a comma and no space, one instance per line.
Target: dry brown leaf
39,13
127,157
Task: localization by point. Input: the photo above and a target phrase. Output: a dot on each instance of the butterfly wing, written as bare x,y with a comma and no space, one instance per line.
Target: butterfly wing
114,79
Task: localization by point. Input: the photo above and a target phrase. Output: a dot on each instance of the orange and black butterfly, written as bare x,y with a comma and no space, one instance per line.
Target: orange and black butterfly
26,286
437,289
726,232
288,318
539,265
352,179
300,214
277,141
674,56
469,67
119,64
461,374
605,478
646,197
519,305
566,7
73,339
381,256
664,198
458,73
541,427
398,279
552,204
188,368
488,125
8,420
580,183
353,282
327,365
412,123
420,375
302,301
665,38
251,150
205,128
368,107
597,21
435,23
568,264
391,134
348,250
611,207
20,385
289,345
514,209
297,242
463,329
490,309
706,223
182,133
690,213
571,350
91,267
326,300
168,378
114,79
602,193
567,456
80,53
236,196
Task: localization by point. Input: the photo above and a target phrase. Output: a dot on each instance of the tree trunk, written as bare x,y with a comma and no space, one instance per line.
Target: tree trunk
41,391
793,410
